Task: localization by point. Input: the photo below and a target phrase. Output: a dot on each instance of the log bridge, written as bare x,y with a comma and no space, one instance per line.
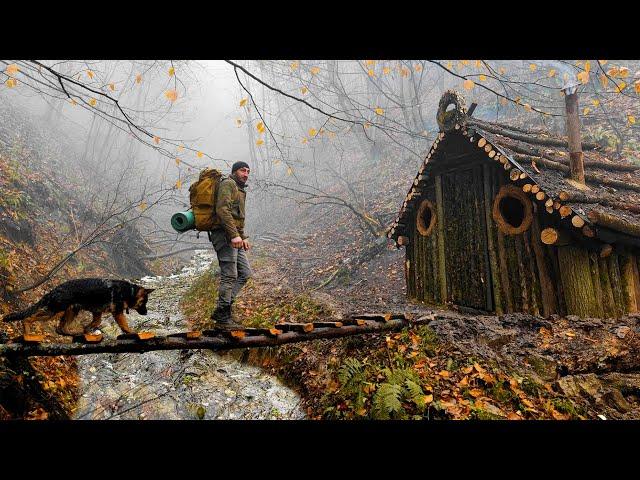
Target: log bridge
214,339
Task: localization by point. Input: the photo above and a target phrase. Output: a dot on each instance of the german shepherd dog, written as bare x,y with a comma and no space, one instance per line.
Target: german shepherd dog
97,295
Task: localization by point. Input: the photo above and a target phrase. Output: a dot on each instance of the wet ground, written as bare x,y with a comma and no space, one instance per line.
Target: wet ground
187,384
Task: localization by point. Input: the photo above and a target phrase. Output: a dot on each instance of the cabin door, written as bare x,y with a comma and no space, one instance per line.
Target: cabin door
465,239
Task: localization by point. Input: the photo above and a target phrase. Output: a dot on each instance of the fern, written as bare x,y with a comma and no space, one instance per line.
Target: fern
414,393
350,369
386,401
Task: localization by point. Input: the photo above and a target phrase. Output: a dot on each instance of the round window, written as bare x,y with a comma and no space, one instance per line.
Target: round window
512,210
426,218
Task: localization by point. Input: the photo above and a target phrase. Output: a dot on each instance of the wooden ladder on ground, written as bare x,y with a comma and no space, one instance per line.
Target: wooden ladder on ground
213,339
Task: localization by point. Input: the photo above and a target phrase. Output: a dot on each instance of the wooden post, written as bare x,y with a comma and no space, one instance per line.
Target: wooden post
573,134
577,283
442,273
549,304
493,262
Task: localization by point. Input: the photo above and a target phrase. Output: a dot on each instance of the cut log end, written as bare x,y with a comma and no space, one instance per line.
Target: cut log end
549,236
577,221
29,338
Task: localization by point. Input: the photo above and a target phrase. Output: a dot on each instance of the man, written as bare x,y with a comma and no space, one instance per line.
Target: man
230,243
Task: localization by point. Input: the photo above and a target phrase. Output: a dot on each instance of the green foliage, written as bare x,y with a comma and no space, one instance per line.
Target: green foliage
386,401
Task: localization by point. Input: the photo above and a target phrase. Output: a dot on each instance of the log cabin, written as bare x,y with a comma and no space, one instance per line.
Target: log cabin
496,221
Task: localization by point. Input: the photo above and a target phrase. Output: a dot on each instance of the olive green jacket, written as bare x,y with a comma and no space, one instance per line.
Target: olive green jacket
230,209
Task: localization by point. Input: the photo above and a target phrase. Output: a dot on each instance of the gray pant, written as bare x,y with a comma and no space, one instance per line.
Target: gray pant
234,268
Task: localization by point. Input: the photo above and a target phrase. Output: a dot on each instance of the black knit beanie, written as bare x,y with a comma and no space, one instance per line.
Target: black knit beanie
238,165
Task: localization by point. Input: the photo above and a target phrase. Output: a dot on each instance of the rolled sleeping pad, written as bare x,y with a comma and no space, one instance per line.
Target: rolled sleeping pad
183,221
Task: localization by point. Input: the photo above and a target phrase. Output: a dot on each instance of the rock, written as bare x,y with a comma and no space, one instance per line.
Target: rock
622,332
546,367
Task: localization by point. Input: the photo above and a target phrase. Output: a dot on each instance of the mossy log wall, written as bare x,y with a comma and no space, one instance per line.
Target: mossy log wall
468,261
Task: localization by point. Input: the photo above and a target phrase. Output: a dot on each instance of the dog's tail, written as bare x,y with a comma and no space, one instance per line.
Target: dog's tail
23,314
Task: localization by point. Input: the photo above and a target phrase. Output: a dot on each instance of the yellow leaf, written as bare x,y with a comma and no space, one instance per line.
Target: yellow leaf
527,107
517,100
89,73
587,66
304,140
138,78
595,102
621,86
371,73
483,78
502,70
315,70
369,62
367,125
259,141
552,72
565,77
172,71
418,68
178,184
143,206
631,119
243,102
304,90
73,102
405,72
260,127
478,64
503,101
468,84
112,87
177,161
379,111
637,86
295,65
604,80
238,122
386,71
171,95
93,102
289,171
312,132
465,62
199,154
156,140
449,65
586,111
276,162
613,72
11,83
180,148
533,67
624,72
602,62
12,69
583,77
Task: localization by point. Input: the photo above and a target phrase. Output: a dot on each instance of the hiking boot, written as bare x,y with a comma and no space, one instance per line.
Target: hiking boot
222,319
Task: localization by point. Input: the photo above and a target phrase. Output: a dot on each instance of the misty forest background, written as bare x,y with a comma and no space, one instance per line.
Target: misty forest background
95,157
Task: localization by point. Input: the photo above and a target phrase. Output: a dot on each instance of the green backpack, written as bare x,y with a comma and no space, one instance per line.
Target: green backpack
202,196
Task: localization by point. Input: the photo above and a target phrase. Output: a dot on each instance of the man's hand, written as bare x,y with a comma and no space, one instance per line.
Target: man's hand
236,242
245,244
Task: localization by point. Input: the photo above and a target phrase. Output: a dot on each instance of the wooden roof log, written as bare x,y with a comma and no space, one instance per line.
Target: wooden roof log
606,200
615,223
531,139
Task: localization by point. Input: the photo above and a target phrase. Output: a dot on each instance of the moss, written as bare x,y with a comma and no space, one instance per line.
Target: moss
566,406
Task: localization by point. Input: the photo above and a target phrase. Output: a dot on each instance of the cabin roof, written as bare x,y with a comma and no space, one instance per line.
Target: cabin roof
538,158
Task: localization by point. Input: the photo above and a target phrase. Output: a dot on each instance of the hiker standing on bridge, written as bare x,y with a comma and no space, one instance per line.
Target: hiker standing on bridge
230,243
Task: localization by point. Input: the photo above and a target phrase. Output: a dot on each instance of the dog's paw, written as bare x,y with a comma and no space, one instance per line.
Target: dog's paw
96,331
